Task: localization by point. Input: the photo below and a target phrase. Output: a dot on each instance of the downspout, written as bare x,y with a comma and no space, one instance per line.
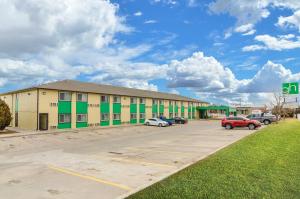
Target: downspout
37,109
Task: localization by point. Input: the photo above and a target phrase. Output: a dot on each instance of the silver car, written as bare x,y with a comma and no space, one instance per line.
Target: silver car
156,122
263,118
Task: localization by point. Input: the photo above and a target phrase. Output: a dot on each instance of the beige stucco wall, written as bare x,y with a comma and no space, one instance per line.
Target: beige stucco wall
93,109
148,107
27,110
125,109
166,107
48,103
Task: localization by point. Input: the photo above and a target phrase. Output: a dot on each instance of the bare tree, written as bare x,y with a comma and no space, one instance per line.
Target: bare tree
278,105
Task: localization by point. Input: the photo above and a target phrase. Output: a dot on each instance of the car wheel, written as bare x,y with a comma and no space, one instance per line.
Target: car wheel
251,126
228,126
147,123
160,125
267,122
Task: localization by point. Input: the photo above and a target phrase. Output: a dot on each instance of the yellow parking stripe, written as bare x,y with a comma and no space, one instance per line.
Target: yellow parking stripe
143,162
67,171
158,150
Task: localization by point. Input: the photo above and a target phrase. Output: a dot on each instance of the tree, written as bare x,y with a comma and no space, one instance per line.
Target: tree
5,116
278,105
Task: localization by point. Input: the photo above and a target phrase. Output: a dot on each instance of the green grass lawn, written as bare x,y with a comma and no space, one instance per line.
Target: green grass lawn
265,164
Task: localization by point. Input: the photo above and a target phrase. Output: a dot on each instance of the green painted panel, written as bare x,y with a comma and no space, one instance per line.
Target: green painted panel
117,108
182,109
104,107
176,109
142,121
81,124
133,121
155,108
64,107
142,108
64,125
161,108
133,108
104,123
81,107
116,122
171,109
190,112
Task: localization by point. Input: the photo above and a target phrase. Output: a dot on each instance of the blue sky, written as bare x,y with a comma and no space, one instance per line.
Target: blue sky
221,51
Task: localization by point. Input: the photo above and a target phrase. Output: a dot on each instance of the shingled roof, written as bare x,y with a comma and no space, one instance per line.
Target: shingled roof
78,86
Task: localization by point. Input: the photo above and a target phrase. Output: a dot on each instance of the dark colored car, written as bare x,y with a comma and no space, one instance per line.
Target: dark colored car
170,121
180,120
232,122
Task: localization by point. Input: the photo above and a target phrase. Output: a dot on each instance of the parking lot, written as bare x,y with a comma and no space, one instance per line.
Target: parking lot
104,163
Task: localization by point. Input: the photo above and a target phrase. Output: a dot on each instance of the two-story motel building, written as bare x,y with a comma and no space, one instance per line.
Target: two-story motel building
75,104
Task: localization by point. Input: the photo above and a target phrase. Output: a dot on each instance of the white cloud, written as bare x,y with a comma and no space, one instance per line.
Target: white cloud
57,24
214,82
282,42
139,13
167,2
290,21
269,79
201,73
246,29
251,12
63,39
151,21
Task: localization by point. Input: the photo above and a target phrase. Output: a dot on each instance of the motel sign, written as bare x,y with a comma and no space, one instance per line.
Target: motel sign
290,88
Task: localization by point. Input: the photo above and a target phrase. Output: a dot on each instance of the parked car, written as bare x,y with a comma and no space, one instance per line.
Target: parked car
170,121
180,120
156,122
263,117
232,122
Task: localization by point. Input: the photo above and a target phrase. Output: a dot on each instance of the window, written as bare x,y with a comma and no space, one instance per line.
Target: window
104,117
154,101
81,97
176,114
104,98
117,99
154,115
181,103
161,115
176,103
133,100
142,115
132,116
170,115
64,96
81,118
64,118
170,103
117,116
189,114
142,101
161,102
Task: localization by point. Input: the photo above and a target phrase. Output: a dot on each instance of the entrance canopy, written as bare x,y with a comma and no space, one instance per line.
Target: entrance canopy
226,109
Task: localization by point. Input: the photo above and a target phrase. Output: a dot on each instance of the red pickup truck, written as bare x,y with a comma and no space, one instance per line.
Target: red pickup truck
232,122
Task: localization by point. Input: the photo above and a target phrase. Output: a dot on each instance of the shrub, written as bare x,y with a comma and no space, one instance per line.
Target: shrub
5,116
